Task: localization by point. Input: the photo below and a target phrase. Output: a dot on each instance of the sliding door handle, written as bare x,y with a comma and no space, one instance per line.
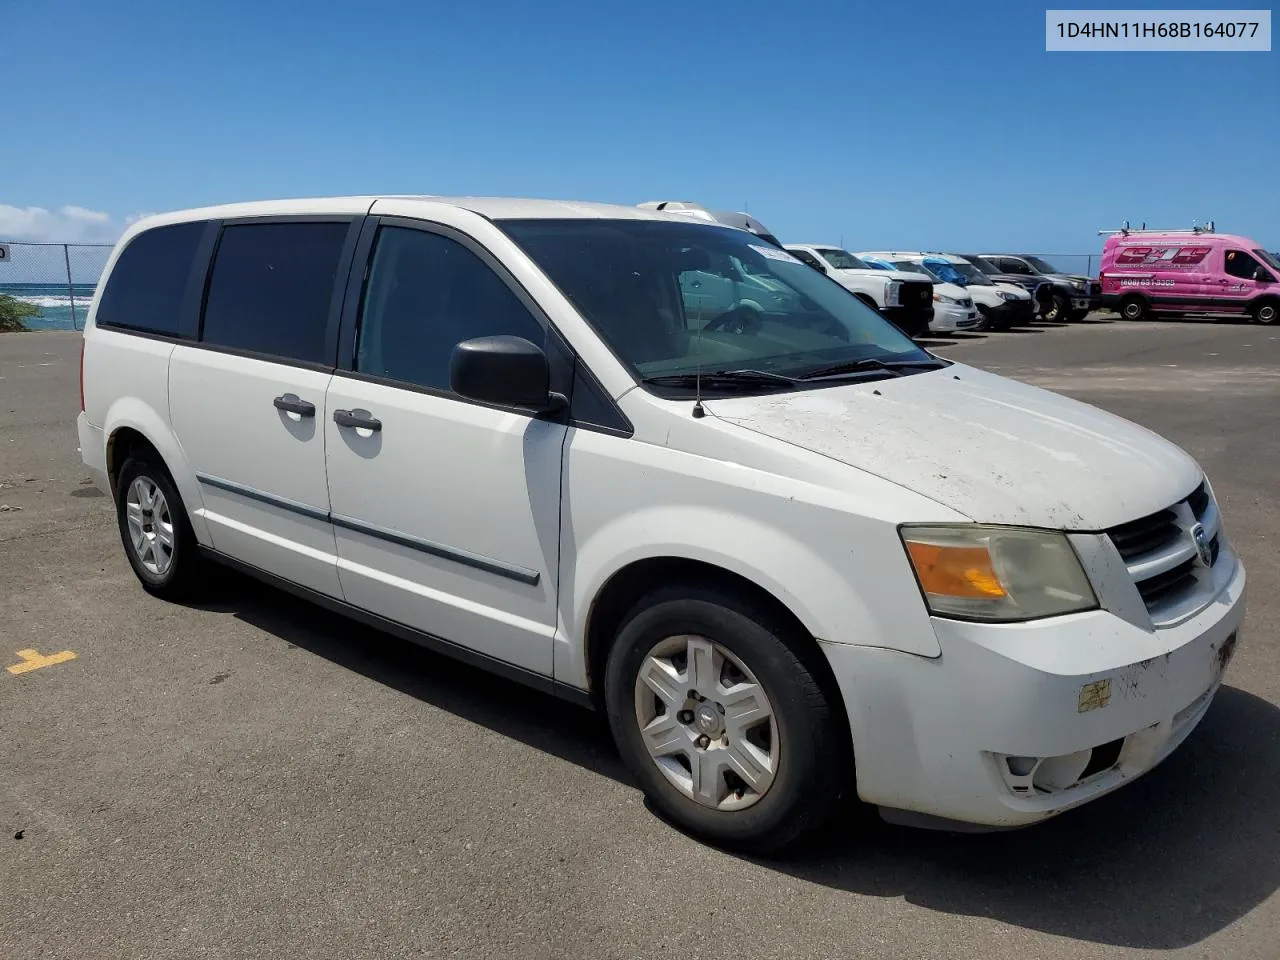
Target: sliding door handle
290,403
357,419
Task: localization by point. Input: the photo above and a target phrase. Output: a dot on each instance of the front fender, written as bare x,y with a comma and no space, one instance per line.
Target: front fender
863,596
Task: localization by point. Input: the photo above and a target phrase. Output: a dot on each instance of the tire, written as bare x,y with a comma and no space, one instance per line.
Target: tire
1059,309
155,530
1265,311
1134,309
797,749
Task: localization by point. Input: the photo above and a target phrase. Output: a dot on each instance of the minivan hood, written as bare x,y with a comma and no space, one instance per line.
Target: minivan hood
992,449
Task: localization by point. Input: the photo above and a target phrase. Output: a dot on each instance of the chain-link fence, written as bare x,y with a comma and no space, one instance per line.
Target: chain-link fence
58,279
52,283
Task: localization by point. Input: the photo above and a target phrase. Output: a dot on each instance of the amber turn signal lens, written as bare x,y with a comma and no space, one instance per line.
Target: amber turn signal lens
953,571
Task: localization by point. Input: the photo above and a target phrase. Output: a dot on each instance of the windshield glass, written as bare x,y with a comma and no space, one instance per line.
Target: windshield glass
972,275
1268,258
674,298
986,266
1044,266
842,259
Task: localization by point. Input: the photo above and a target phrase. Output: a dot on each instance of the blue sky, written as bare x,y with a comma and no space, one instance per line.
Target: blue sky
939,125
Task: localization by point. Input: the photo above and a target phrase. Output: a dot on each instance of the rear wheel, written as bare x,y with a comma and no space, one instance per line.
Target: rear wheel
1134,308
1265,311
719,714
154,528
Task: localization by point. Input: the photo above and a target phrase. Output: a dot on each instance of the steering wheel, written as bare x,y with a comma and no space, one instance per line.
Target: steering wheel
745,317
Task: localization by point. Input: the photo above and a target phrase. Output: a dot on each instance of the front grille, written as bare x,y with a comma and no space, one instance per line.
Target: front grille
1162,585
916,293
1163,556
1143,536
1199,501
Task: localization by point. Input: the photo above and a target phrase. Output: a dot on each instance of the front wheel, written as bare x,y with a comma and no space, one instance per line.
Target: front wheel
1265,312
1058,309
720,716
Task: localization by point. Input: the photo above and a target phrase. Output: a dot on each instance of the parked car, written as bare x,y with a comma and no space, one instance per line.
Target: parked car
1070,296
906,300
1002,304
1152,272
1041,292
953,308
995,306
763,547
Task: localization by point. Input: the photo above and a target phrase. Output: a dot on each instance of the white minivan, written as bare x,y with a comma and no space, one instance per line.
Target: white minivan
791,555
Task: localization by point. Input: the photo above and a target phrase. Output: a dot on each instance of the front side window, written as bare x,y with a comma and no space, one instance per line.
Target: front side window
1013,265
633,282
842,259
271,288
1044,266
427,293
804,256
1242,265
146,287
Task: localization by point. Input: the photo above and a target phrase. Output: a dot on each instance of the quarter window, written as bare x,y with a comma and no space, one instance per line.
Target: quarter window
427,293
146,286
271,288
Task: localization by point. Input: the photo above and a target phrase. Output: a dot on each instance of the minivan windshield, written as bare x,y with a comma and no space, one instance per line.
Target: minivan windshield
673,298
842,259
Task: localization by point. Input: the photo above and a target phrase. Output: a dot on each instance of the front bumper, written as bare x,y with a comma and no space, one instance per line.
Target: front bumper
948,317
1008,313
913,321
1015,723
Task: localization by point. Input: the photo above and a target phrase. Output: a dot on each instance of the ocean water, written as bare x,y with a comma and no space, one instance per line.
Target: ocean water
56,302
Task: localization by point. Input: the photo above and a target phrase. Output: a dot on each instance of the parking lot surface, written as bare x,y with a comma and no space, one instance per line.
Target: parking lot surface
253,777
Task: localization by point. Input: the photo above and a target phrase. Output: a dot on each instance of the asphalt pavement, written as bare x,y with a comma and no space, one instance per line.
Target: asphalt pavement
252,777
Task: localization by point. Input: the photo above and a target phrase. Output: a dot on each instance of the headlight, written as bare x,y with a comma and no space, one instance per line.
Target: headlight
1078,284
943,298
893,293
1006,295
973,572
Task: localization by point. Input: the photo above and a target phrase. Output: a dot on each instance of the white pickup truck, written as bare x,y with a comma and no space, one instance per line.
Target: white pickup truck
904,299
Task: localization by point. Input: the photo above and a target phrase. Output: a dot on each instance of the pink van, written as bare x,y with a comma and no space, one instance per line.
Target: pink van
1146,273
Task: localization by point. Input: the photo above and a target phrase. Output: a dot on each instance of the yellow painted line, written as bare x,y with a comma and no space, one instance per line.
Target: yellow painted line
32,660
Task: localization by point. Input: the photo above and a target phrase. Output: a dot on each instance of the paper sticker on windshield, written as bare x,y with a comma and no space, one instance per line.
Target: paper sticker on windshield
773,253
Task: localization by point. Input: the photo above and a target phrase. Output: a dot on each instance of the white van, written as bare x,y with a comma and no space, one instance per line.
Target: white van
789,553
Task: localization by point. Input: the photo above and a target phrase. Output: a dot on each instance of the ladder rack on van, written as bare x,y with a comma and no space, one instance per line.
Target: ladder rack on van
1126,230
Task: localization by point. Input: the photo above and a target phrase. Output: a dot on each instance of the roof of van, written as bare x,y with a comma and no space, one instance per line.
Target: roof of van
496,208
1180,236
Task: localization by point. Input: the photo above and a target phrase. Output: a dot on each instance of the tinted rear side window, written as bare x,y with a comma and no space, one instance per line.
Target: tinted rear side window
271,288
146,287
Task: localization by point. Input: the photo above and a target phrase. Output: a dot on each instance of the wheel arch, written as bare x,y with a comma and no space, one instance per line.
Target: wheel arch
132,426
629,585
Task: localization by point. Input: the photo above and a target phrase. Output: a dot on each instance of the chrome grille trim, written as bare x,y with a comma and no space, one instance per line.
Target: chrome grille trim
1161,555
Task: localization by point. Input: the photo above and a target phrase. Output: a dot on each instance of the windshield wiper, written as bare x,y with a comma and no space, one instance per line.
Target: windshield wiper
720,378
871,365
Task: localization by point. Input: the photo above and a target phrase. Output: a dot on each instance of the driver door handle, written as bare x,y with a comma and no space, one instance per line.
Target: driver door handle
357,419
291,403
